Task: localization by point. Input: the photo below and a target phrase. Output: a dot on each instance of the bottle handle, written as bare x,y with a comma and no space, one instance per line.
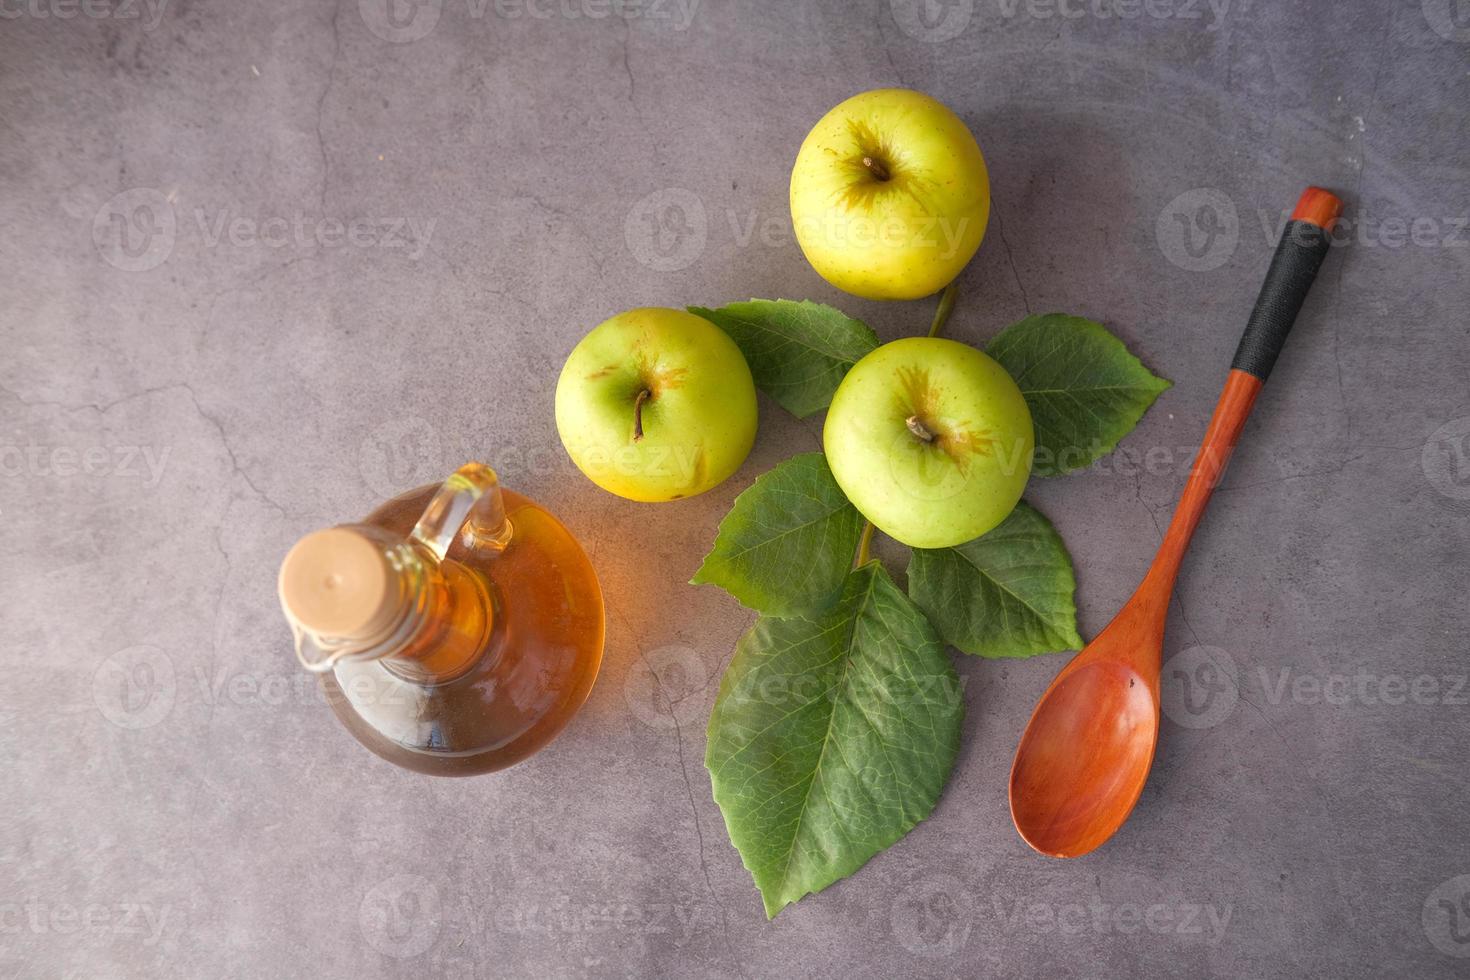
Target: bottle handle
469,503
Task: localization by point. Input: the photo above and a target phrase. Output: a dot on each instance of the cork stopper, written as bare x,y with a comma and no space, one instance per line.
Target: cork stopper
338,583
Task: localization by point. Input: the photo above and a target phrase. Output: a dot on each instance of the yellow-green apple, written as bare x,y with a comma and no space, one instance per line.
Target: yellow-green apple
889,195
656,404
931,440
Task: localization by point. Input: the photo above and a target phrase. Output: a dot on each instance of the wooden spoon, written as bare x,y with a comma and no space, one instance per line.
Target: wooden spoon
1086,752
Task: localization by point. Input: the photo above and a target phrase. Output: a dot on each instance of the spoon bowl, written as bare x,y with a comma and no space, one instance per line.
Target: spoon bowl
1075,782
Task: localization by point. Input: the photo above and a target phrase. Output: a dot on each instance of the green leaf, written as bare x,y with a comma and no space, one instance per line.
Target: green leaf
797,352
787,544
832,737
1008,593
1084,389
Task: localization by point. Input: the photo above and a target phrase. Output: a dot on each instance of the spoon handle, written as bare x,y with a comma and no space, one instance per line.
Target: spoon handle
1303,246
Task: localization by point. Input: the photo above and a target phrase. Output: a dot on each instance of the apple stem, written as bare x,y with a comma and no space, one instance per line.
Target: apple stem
876,168
941,315
863,543
643,396
916,426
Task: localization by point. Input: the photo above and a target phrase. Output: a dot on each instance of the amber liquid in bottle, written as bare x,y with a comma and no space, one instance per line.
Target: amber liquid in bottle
507,651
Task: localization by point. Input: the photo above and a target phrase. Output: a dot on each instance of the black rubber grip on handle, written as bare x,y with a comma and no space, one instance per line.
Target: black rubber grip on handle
1303,247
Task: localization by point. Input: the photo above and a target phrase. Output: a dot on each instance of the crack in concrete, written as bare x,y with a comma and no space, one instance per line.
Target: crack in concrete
688,790
1011,259
575,222
627,68
321,142
102,408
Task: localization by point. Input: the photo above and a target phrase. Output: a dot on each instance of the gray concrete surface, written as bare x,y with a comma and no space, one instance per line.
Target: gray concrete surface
201,364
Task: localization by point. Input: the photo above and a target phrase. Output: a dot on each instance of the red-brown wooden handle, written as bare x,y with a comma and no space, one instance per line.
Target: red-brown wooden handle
1293,268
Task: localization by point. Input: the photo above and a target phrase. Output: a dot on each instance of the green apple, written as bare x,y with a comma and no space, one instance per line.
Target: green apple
656,404
889,195
931,440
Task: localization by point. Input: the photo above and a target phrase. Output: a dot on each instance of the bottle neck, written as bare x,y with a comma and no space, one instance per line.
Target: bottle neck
435,621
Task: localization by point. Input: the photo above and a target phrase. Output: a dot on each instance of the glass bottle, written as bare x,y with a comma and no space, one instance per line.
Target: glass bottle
456,628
